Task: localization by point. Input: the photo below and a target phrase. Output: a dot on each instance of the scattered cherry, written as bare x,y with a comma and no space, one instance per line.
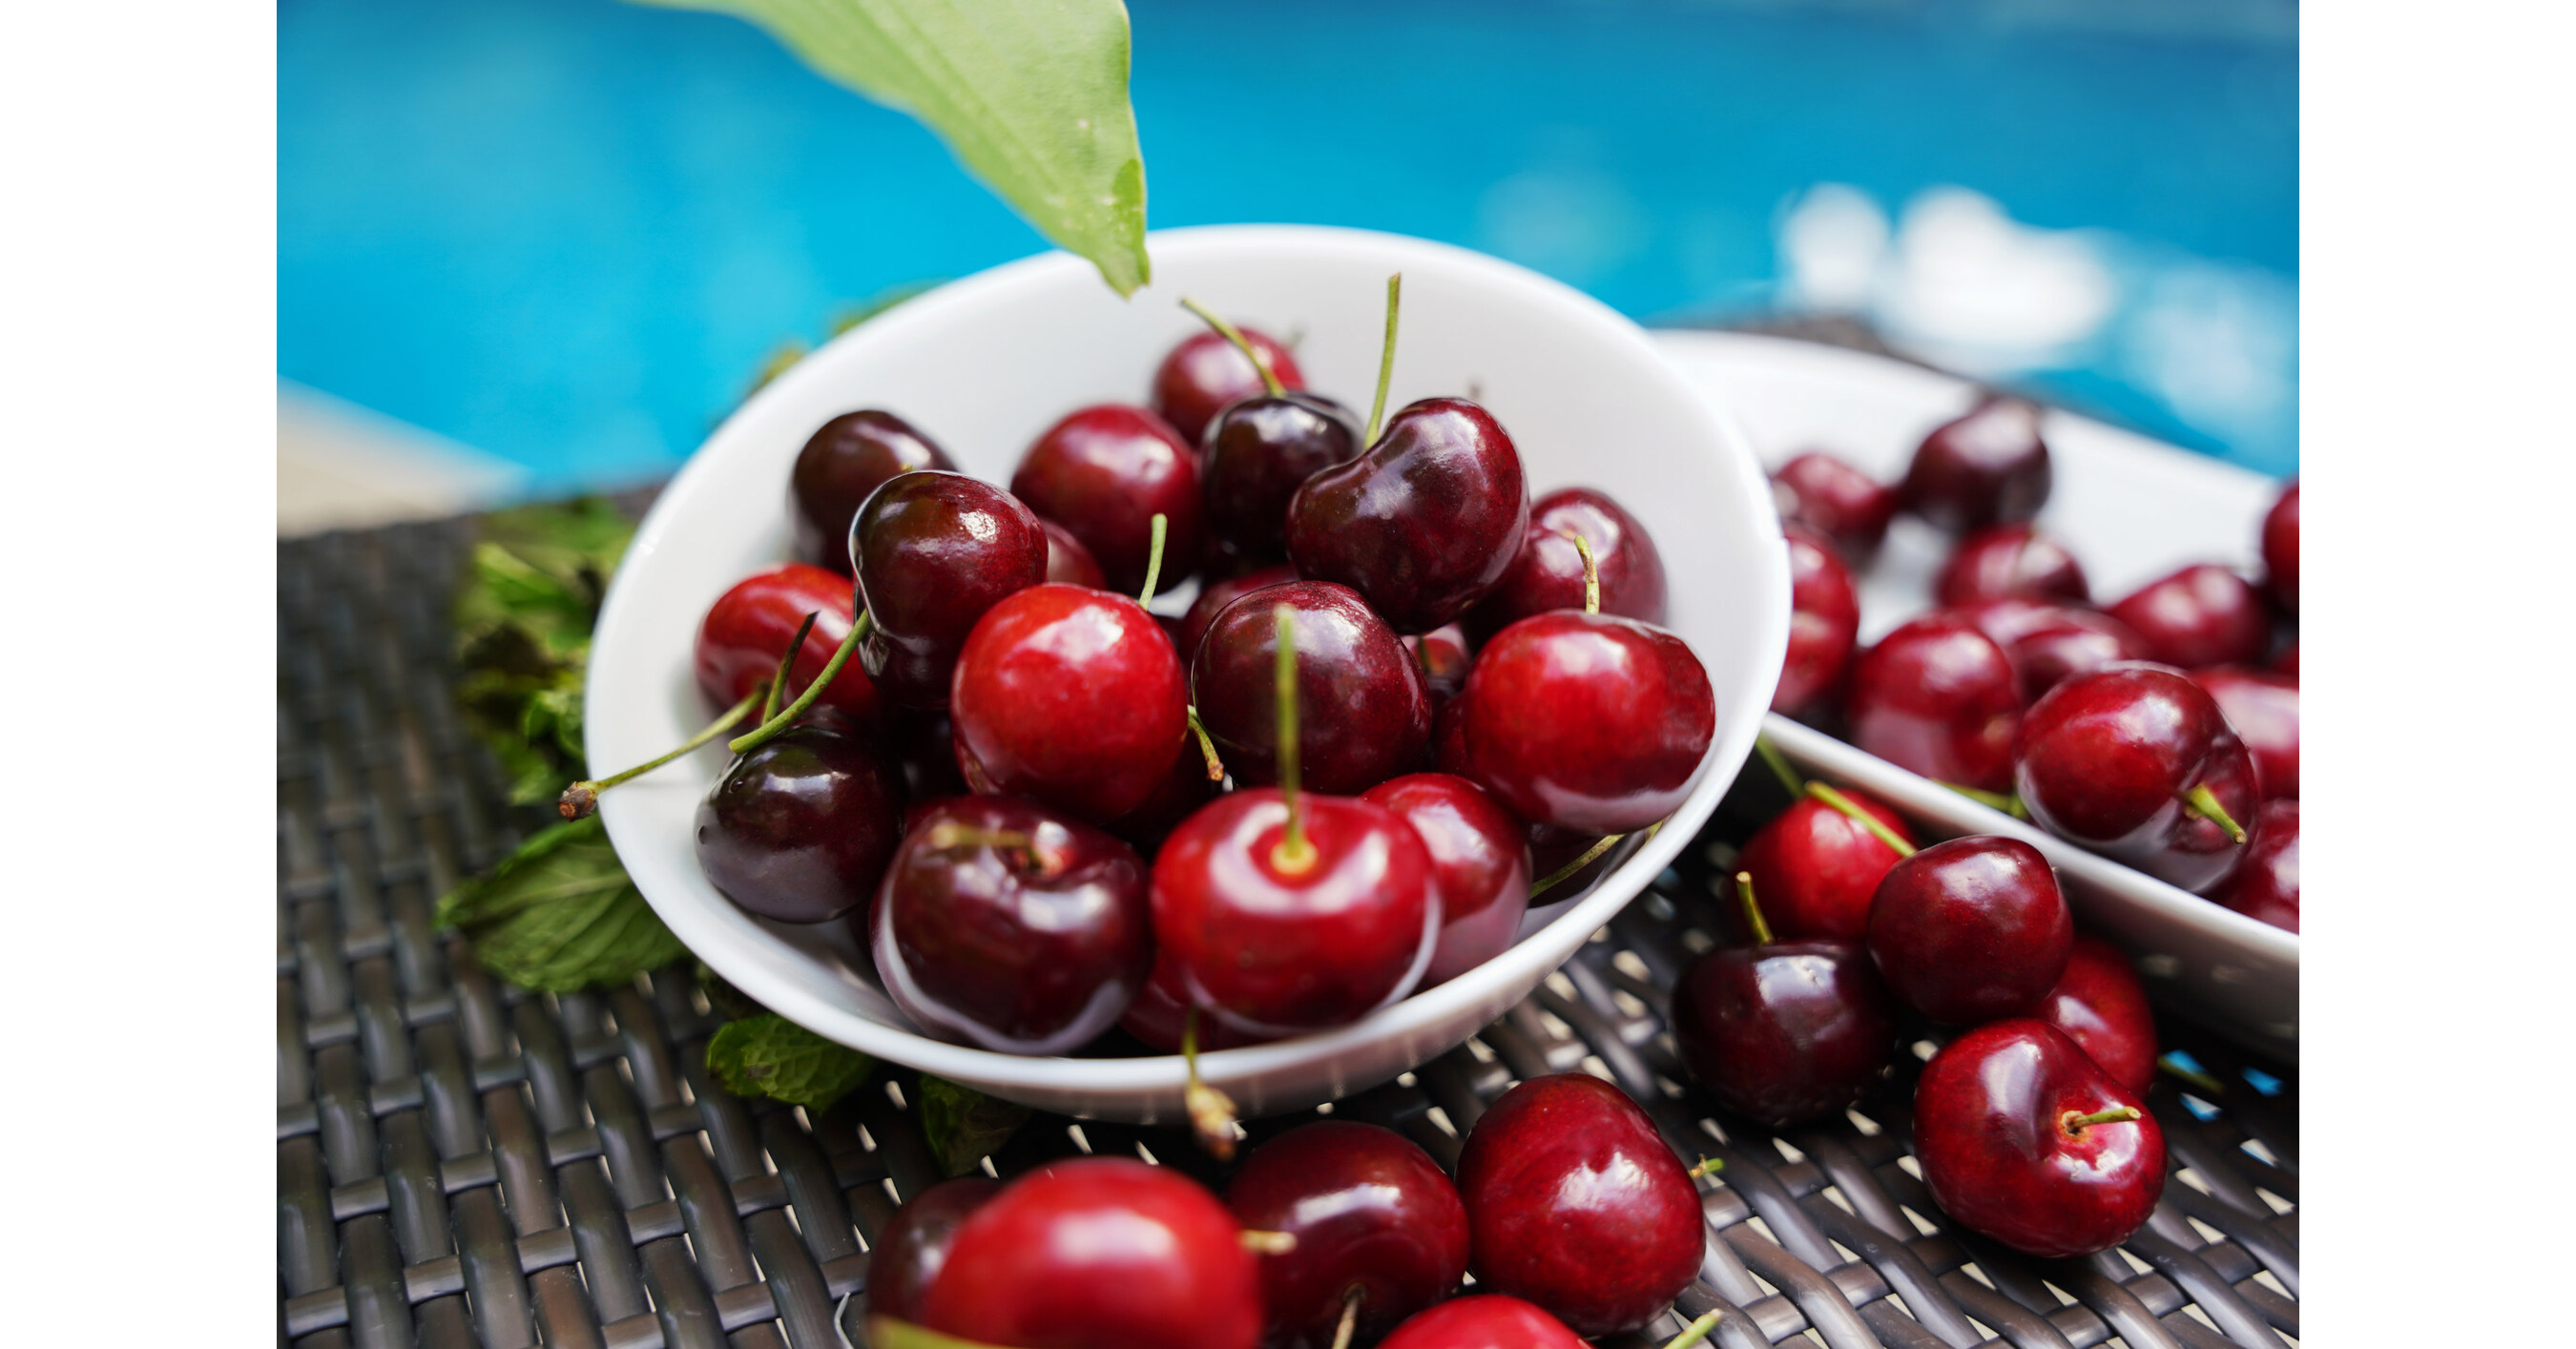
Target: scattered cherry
2281,548
1104,472
848,458
2267,885
1364,712
1067,560
2010,561
1824,493
750,625
1549,571
1817,868
1480,864
2200,615
1375,1220
1424,523
1205,373
1824,622
2100,1005
1988,467
1483,1321
1071,697
934,552
2067,643
913,1244
2263,709
1939,698
2136,762
1971,929
1783,1032
800,829
2023,1137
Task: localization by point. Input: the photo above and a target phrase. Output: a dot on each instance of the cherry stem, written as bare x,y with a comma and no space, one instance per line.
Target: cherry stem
1877,827
2006,802
1779,765
1350,1323
1207,747
581,798
787,662
1230,333
2193,1076
1260,1241
1590,855
1385,359
948,834
1708,1166
2204,803
1294,854
1211,1111
1153,560
1696,1331
770,729
1752,909
885,1332
1591,571
2074,1123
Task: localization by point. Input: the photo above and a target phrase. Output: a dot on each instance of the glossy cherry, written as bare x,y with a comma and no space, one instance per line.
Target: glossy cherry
1099,1253
1011,926
1205,373
1971,929
1445,658
1587,722
2267,885
1215,595
2069,643
1071,697
1988,467
1939,698
1161,1012
1816,868
2281,548
1373,1216
2100,1005
1364,711
913,1244
847,459
2200,615
1258,452
1067,560
1103,473
800,829
1424,523
1576,1203
2263,709
1783,1031
1480,863
934,552
1824,622
2011,561
1824,493
1548,572
2136,762
2001,1131
750,625
1484,1321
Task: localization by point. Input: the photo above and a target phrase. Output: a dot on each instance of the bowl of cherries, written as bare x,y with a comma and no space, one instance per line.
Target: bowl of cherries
1254,685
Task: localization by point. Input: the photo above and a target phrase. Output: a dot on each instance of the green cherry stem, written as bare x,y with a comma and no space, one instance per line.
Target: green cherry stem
787,662
2194,1076
1591,571
2006,802
769,730
1779,765
2074,1123
1153,560
1269,379
581,798
1877,827
1207,746
1261,1241
885,1332
1350,1322
1558,876
1385,359
1752,909
2204,803
1708,1166
1696,1331
1293,854
1211,1111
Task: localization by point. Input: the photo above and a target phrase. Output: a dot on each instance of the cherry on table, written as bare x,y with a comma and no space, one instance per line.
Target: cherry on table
2100,1005
2263,709
2281,548
1939,698
1987,467
1104,472
1817,867
1826,494
1205,372
1550,572
2022,1137
934,552
2010,561
844,461
1364,710
2074,642
1824,622
2200,615
1480,863
2267,885
1376,1223
801,828
1424,523
1067,560
749,627
1215,596
2136,762
1071,697
1783,1031
913,1244
1971,929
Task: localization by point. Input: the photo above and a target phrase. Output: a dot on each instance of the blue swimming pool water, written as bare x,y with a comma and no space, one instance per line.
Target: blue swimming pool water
566,232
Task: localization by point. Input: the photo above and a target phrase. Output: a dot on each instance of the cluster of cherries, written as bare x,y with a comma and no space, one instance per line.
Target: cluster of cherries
2162,730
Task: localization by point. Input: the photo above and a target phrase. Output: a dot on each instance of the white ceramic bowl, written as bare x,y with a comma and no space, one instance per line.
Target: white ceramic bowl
985,364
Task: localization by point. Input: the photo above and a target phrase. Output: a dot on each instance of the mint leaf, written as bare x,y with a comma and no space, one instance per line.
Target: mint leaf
559,914
964,1125
523,616
774,1057
1031,95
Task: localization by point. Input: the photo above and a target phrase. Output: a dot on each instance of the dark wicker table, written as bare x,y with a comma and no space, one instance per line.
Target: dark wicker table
461,1162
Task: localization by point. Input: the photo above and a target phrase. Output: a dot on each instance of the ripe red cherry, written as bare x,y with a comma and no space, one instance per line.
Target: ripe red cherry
912,1245
1071,697
1971,929
1274,942
1817,868
1483,1321
1548,571
1587,722
2263,709
1099,1253
750,625
2281,548
2070,643
800,828
1213,598
1205,373
850,457
1824,622
1161,1012
1012,927
2136,762
1783,1032
1363,711
2200,615
1577,1204
1424,523
1258,453
2288,661
2000,1132
2267,885
1480,864
1374,1217
1825,494
1103,473
2100,1005
934,552
1939,698
2012,561
1988,467
1067,560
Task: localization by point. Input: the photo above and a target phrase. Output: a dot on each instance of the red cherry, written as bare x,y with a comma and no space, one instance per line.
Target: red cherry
1577,1204
2077,641
934,552
800,829
1099,1253
1825,494
1824,622
2281,548
913,1244
1817,868
1215,596
2288,661
1258,453
2267,885
848,458
1445,657
1364,713
750,625
1067,560
2263,709
1161,1012
1373,1216
2200,615
1480,864
1483,1321
1999,1133
1424,523
1548,571
2136,762
1552,850
2012,561
1103,473
1971,929
1783,1032
1988,467
1587,722
2100,1005
1071,697
1184,788
1204,373
1939,698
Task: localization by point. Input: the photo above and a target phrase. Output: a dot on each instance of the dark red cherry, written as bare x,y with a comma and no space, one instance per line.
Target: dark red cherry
850,457
1783,1032
1215,595
2073,642
1067,560
1577,1204
1363,710
1825,494
1373,1216
2288,661
1817,868
1103,473
1424,523
1205,373
1548,572
1071,697
800,829
1273,942
2013,561
935,550
1010,926
1988,467
1161,1010
1445,658
913,1244
1483,1321
1099,1253
1587,722
2100,1005
2267,885
1553,850
2200,615
750,625
2001,1132
1971,929
1258,452
2263,709
2129,762
1184,788
1824,622
922,746
1939,698
1480,863
2281,548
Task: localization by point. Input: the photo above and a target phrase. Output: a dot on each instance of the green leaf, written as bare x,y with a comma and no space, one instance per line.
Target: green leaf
559,914
964,1125
523,616
774,1057
1030,94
